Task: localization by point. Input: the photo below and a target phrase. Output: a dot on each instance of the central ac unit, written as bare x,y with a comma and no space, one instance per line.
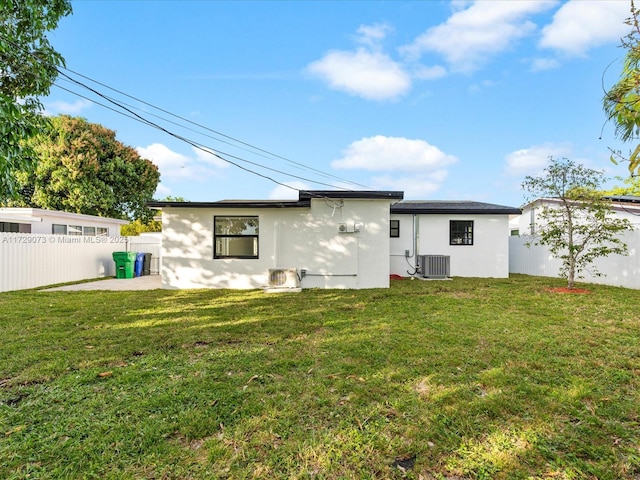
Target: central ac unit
434,266
283,278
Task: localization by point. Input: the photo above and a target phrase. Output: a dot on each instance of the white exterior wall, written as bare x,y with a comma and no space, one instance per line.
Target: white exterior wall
302,238
400,263
42,221
532,212
487,257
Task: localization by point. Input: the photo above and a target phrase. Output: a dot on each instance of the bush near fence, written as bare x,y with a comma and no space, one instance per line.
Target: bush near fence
35,260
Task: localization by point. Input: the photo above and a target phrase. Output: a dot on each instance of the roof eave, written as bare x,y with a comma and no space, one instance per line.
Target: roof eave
304,201
228,204
353,194
453,211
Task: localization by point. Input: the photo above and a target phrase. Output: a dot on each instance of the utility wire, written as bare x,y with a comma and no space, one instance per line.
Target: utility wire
132,115
193,143
121,103
262,151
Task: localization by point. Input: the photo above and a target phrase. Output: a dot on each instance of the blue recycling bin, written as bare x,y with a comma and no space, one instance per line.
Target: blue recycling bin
139,264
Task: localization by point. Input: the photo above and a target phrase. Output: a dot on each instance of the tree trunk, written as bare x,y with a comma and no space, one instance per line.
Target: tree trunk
571,273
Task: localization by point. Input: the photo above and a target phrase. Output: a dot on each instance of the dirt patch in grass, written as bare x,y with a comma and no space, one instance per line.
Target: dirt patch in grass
577,291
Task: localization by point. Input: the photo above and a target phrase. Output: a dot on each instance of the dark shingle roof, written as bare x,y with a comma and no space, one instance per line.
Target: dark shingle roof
623,198
372,194
304,200
452,207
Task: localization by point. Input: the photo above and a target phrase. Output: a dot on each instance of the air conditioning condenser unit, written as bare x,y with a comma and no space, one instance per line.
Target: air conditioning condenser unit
434,266
283,278
346,228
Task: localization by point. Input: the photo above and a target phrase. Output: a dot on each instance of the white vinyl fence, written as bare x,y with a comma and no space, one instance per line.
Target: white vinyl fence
33,260
616,270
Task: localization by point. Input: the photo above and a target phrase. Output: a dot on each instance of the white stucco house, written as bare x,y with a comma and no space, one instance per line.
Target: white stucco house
325,239
622,206
434,239
36,220
328,239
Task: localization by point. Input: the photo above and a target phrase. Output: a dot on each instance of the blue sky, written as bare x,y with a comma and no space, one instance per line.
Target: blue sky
443,100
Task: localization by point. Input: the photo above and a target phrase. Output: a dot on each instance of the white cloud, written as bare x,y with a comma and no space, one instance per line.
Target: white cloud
282,192
542,64
170,163
483,85
580,25
382,153
59,107
418,186
174,165
429,73
477,31
364,73
372,35
532,160
210,158
162,191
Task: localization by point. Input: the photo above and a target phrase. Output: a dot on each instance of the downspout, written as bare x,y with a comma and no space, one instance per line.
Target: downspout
414,235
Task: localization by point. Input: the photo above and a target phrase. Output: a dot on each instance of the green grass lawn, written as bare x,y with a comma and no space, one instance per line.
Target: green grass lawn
461,379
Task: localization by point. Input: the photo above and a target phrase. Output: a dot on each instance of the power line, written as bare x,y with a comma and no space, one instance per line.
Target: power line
200,146
257,151
262,152
129,106
195,144
137,117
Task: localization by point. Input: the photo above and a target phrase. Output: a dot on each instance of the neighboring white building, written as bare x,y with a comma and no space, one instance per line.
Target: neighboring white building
36,220
537,260
472,238
625,206
325,239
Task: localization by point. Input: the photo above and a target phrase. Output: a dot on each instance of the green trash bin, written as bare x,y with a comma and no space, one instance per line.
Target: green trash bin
125,263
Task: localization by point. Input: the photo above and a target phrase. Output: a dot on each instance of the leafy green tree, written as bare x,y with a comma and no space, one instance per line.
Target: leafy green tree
82,168
622,101
169,198
630,186
577,225
137,227
28,68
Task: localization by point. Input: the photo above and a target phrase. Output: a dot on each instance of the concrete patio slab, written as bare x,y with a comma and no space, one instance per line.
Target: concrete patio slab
147,282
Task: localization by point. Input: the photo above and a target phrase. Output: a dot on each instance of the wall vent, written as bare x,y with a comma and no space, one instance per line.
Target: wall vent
283,278
434,266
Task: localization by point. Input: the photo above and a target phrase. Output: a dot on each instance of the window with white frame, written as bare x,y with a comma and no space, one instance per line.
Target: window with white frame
11,227
58,229
235,236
